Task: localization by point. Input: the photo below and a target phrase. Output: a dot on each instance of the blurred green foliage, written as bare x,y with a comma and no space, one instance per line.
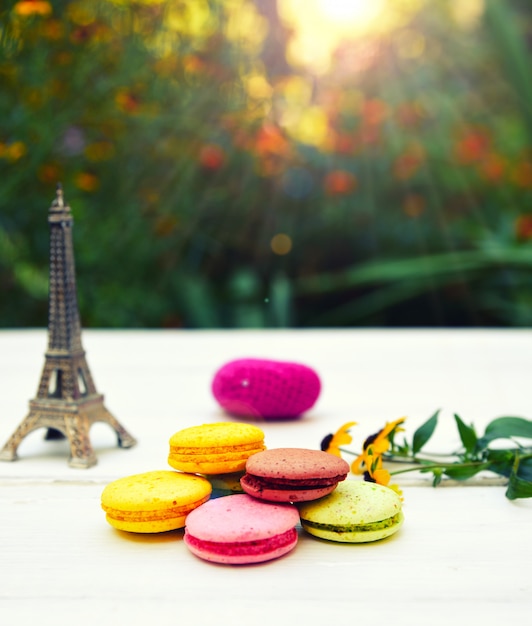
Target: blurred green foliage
216,184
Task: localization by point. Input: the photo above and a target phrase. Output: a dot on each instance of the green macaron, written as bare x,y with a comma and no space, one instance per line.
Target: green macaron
356,512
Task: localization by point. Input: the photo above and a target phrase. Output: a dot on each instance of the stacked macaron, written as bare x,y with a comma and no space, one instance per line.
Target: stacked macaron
293,474
153,502
269,492
220,448
357,512
239,502
259,525
239,529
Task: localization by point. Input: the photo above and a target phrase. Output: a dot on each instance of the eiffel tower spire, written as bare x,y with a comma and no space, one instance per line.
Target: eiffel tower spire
63,306
67,403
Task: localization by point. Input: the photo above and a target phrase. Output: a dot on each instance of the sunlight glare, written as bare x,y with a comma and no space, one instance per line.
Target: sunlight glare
320,25
353,11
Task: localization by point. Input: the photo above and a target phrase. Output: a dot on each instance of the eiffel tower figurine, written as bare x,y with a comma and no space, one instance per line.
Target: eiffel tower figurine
67,403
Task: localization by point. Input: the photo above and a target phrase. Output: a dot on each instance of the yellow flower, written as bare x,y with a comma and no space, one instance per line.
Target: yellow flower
33,7
13,151
370,461
332,442
375,473
378,443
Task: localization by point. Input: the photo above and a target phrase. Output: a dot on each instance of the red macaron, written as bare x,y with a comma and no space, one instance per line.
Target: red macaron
293,474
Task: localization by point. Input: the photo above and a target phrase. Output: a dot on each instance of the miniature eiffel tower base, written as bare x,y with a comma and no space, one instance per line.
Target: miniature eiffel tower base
73,419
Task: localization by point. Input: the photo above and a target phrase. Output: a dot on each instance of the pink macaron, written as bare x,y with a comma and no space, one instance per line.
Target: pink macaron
239,529
266,389
293,474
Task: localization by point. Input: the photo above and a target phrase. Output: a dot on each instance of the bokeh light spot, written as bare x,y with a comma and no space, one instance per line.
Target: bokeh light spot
281,244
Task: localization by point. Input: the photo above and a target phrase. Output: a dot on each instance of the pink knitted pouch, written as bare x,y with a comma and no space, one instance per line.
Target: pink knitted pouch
265,389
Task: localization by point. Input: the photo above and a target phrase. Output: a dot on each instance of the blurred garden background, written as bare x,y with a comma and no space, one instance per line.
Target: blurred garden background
270,163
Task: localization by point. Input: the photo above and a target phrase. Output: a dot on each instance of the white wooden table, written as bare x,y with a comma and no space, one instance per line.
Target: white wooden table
463,556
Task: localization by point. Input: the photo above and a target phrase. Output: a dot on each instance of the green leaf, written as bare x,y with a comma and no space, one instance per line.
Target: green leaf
467,435
518,488
424,433
525,468
506,428
461,472
500,461
520,482
437,479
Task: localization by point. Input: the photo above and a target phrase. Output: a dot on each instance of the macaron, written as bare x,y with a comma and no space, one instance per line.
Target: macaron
153,502
356,512
239,529
218,448
225,484
266,389
293,474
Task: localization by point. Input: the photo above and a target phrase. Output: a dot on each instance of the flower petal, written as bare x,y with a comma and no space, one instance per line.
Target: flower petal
381,476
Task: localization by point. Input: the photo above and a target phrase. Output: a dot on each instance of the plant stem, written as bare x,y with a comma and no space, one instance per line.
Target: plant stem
408,460
422,467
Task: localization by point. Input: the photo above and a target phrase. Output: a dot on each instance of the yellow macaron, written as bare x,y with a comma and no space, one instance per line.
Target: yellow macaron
153,502
225,484
218,448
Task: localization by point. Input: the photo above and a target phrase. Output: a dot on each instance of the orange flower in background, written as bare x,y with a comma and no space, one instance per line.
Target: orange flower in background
271,140
211,156
87,181
339,182
193,64
271,147
472,146
341,437
522,174
53,29
414,205
369,135
344,143
269,166
523,227
165,225
406,165
49,173
410,114
33,7
374,112
493,168
127,101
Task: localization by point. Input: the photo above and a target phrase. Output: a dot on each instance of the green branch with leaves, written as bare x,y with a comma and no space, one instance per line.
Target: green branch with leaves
499,450
477,453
